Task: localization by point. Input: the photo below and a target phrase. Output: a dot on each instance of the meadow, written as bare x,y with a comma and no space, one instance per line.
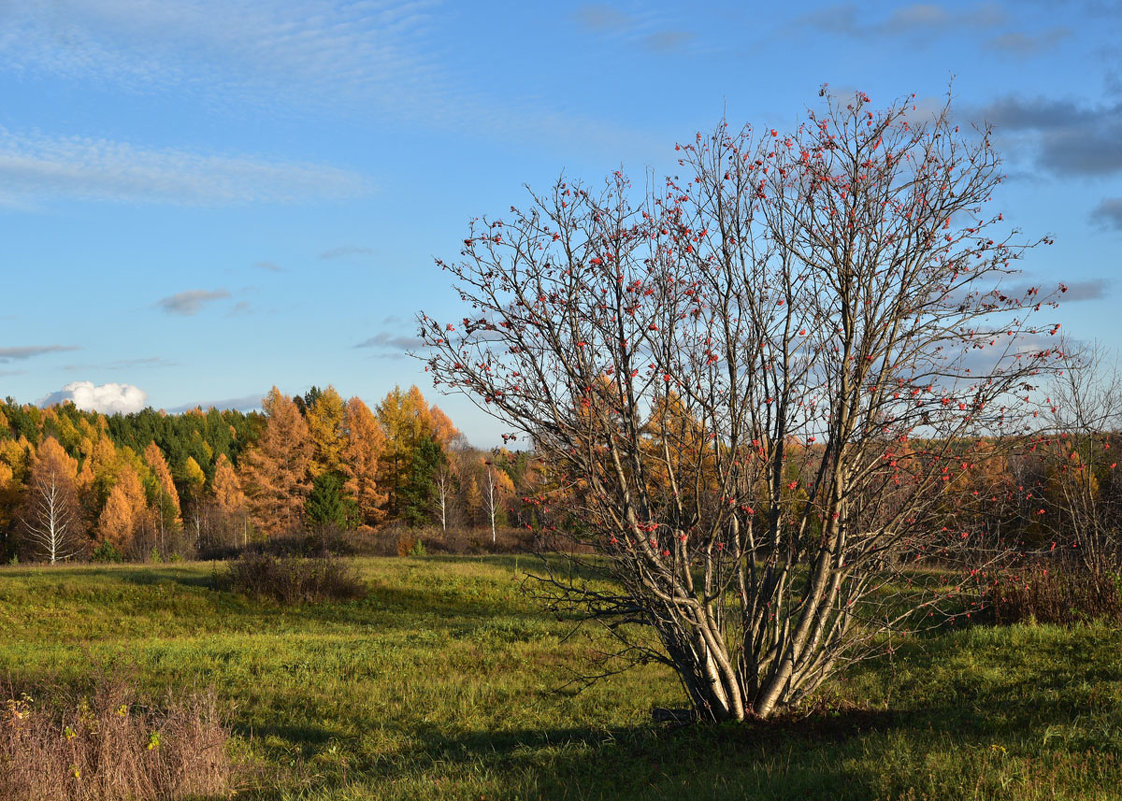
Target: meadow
448,682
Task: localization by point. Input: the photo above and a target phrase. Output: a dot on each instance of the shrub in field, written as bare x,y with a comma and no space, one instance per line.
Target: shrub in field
290,579
107,552
752,384
107,746
1062,595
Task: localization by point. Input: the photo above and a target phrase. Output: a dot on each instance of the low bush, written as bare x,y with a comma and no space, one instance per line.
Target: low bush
1049,593
107,746
294,579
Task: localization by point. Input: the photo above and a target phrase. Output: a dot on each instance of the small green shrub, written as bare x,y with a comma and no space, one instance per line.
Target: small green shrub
293,579
107,552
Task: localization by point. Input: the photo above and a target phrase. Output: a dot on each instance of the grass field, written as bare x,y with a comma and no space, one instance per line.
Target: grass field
446,682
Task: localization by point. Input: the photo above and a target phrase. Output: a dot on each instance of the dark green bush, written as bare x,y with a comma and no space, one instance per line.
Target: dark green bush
107,552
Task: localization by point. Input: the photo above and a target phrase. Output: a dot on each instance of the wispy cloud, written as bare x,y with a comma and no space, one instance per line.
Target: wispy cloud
921,21
269,266
1109,213
8,355
245,403
1072,292
388,341
648,29
343,251
37,168
123,364
1095,289
190,302
302,55
310,48
1025,45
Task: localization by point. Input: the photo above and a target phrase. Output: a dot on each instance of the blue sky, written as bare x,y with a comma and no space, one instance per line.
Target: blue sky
200,199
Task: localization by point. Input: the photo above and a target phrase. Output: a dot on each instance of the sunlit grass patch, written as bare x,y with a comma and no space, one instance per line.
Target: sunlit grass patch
447,682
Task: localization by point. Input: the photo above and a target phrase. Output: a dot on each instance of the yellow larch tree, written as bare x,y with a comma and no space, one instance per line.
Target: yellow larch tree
326,428
168,497
408,421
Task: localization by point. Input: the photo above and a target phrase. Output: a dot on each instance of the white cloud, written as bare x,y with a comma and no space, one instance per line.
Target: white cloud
36,168
105,398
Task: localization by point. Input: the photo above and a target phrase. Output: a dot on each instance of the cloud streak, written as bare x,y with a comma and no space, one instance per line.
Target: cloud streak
394,342
916,20
36,168
1024,45
345,250
1076,291
245,403
123,364
602,19
31,351
190,302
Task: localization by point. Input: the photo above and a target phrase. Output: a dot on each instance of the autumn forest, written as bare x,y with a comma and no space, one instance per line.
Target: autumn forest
77,485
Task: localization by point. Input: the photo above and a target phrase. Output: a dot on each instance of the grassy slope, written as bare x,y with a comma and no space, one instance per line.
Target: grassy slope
444,684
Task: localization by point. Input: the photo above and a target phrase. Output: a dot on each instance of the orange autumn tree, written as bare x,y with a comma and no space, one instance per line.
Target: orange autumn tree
230,501
364,446
275,471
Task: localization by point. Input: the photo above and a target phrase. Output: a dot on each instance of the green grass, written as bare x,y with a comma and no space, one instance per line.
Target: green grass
446,682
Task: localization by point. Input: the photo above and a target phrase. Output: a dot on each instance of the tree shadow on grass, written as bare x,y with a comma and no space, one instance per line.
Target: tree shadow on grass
760,760
839,752
187,577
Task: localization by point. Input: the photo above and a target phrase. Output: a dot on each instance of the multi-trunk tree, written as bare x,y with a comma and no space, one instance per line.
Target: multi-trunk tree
754,382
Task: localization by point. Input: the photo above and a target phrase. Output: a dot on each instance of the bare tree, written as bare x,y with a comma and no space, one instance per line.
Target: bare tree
1083,496
497,487
756,382
51,518
443,480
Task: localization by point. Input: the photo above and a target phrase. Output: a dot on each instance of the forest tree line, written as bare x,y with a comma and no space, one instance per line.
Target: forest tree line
80,484
77,485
